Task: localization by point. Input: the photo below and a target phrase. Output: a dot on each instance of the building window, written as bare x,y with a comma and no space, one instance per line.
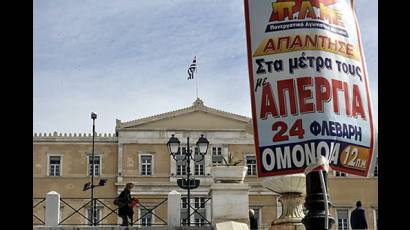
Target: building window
184,211
97,215
181,164
199,202
97,165
216,156
199,169
146,165
181,169
342,218
54,163
257,214
199,165
184,202
216,151
339,174
146,217
376,170
199,205
182,150
251,164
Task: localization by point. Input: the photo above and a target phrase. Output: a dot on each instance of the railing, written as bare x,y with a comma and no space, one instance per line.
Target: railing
194,210
36,219
78,214
76,210
148,211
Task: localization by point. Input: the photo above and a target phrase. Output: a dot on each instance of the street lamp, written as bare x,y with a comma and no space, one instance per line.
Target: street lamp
93,116
174,147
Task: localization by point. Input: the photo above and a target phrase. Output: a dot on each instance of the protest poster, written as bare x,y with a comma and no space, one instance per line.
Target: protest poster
309,87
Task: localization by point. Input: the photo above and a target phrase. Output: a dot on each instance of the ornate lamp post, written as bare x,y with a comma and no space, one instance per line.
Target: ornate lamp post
174,148
93,222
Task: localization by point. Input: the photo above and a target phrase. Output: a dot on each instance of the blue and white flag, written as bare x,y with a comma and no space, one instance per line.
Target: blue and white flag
192,69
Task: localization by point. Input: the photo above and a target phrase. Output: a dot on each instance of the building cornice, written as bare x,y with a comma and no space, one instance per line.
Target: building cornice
198,105
74,137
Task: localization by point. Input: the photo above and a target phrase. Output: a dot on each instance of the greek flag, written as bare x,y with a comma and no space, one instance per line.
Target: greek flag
191,69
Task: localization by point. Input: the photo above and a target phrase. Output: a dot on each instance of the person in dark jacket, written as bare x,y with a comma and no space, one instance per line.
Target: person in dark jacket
252,219
125,211
358,217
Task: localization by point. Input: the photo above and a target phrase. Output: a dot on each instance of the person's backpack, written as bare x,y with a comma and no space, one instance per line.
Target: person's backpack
117,201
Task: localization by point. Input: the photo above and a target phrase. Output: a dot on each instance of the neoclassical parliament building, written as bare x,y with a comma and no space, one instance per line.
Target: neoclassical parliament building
137,152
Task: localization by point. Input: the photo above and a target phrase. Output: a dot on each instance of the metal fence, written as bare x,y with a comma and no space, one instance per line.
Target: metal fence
150,212
38,220
199,209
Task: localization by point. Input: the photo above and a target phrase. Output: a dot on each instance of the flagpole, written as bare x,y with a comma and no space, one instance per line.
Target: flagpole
196,77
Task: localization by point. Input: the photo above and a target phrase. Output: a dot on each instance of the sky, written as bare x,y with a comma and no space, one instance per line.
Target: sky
128,59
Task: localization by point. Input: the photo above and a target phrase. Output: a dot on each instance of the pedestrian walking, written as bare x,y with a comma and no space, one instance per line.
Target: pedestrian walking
358,217
252,219
125,204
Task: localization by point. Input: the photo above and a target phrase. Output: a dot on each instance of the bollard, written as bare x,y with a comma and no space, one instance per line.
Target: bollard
174,208
52,216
